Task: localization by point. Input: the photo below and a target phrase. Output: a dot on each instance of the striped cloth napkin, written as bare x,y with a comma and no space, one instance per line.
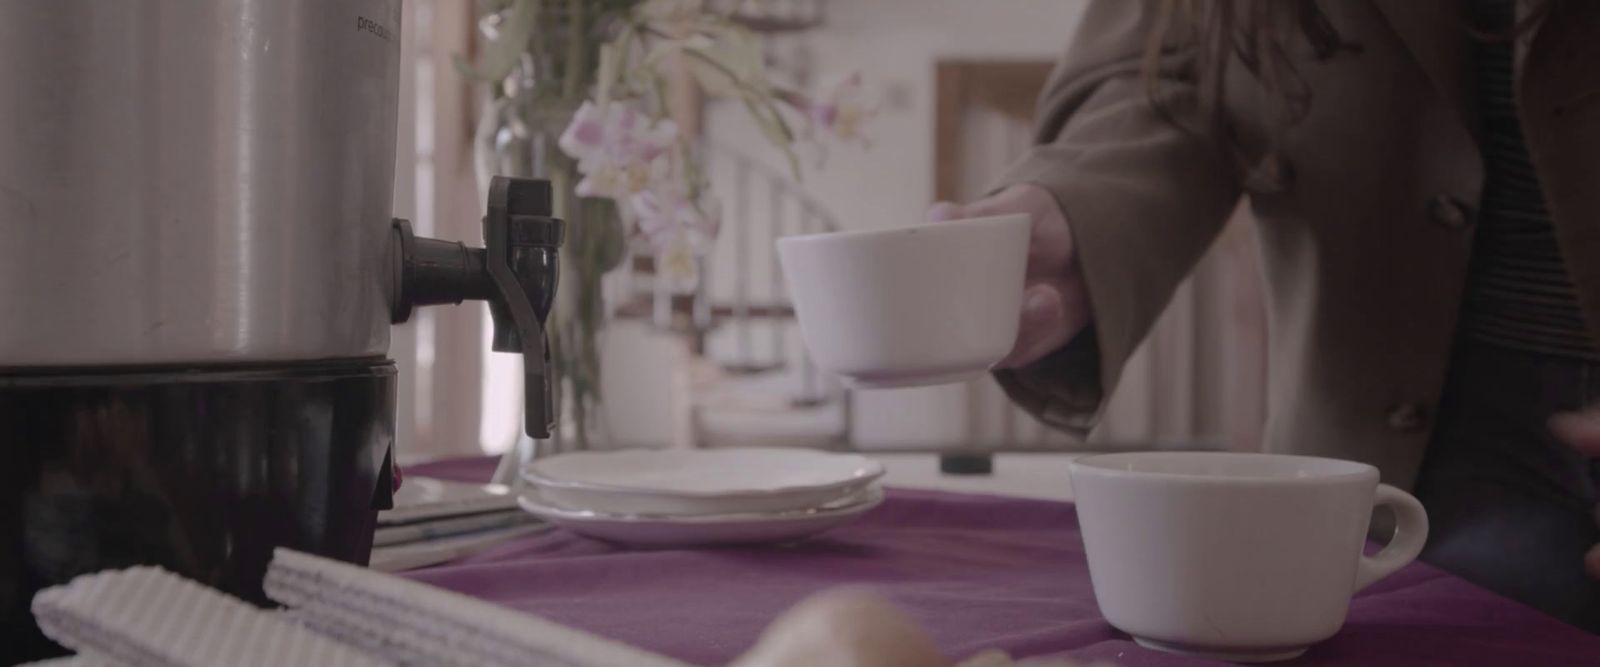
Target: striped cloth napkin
339,615
415,624
148,617
342,615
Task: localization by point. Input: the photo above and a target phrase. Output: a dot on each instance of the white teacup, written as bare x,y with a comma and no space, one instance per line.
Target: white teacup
1232,556
927,304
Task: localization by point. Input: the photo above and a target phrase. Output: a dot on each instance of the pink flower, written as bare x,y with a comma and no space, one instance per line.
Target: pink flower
620,151
845,109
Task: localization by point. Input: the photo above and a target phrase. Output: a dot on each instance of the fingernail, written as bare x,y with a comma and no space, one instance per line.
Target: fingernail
943,211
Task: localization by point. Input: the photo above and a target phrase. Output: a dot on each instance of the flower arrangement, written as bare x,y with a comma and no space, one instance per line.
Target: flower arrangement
630,151
593,78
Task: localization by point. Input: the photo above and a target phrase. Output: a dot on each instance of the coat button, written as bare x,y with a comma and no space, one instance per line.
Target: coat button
1408,418
1449,212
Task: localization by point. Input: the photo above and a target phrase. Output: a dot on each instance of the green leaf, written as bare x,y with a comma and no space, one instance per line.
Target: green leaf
661,51
502,54
611,239
715,80
772,124
487,7
606,75
728,62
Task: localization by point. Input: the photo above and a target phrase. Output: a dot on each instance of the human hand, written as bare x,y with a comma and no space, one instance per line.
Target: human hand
1581,431
1055,304
854,628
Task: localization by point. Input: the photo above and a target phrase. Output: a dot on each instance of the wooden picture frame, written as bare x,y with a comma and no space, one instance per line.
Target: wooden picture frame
1008,86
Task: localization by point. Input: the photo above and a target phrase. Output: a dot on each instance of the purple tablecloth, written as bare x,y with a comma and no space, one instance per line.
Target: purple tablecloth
975,571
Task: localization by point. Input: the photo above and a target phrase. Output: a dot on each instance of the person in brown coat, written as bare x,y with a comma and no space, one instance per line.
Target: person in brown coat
1425,180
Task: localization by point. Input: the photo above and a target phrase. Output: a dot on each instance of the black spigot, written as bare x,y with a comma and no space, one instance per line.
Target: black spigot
516,272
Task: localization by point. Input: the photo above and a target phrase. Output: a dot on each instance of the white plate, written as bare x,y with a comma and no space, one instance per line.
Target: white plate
699,482
665,531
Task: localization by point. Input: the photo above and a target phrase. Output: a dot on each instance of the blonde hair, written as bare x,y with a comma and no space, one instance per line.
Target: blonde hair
1260,36
1257,34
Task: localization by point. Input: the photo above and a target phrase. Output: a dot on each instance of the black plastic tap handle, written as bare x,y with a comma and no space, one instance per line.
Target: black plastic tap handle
521,241
516,272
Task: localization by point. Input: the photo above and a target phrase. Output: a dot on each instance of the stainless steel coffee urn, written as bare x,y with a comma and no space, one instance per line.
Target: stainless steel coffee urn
198,272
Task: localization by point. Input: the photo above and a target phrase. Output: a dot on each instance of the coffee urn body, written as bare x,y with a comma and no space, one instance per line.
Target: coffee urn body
198,272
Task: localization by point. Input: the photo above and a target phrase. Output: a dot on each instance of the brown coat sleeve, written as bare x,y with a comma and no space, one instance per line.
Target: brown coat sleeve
1144,200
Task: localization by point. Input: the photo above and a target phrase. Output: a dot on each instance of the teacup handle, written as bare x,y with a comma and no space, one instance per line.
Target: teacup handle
1410,532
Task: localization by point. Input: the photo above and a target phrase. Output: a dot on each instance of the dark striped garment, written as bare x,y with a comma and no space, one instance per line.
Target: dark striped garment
1519,294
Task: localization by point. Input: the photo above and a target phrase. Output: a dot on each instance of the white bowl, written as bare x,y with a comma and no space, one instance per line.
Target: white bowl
926,304
1234,556
698,482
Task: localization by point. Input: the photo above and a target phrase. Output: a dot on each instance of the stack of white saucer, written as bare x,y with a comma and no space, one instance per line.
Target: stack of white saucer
684,498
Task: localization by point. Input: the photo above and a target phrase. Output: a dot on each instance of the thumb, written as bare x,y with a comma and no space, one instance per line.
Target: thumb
943,211
1044,326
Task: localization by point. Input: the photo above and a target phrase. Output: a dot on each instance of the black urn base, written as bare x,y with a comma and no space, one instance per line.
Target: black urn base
202,471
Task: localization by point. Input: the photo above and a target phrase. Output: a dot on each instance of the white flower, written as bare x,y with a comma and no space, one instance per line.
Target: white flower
845,109
678,229
679,265
620,150
666,212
